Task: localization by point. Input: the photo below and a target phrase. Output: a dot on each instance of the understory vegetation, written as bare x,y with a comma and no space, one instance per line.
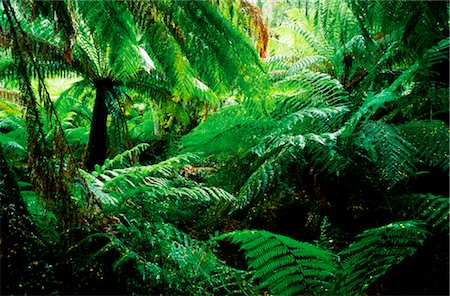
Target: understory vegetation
224,147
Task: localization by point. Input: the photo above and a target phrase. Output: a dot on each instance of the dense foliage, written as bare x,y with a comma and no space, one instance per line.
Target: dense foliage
224,147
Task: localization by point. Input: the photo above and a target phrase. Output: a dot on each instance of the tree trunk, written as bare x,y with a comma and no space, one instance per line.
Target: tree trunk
97,145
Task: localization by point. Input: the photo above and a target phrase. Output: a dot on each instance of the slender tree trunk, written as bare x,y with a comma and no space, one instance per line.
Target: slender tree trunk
97,145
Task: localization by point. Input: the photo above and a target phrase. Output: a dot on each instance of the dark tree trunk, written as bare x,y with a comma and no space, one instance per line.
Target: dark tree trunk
22,270
97,145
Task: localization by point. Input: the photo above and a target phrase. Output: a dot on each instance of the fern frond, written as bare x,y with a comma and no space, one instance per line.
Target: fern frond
168,168
376,250
283,66
390,153
12,134
159,186
231,130
11,145
125,156
265,176
78,135
432,209
104,198
318,45
316,88
430,138
285,266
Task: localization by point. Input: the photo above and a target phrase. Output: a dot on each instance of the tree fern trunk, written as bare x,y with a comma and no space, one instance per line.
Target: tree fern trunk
97,145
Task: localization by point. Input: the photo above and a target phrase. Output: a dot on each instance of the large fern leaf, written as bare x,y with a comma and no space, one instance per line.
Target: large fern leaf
431,139
376,250
391,155
430,208
285,266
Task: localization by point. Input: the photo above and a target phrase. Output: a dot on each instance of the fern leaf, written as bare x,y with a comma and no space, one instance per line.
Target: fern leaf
286,266
261,179
432,209
376,250
391,154
431,139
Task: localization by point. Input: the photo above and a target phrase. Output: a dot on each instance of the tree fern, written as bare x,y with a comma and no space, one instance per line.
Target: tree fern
170,69
311,115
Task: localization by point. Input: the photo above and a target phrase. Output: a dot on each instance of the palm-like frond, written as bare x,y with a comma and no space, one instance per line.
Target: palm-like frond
285,266
159,185
12,135
313,88
375,251
430,138
430,208
391,155
183,34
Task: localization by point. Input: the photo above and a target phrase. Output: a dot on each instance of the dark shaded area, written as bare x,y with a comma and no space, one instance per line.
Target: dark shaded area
23,265
80,271
351,204
425,273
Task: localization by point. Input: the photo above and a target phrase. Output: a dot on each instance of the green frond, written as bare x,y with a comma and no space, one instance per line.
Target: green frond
432,209
8,73
10,144
160,187
77,135
331,18
430,138
437,53
228,59
232,130
12,135
313,86
119,43
317,45
168,168
125,156
286,266
262,178
104,198
391,154
150,85
238,60
374,102
375,251
297,116
292,64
